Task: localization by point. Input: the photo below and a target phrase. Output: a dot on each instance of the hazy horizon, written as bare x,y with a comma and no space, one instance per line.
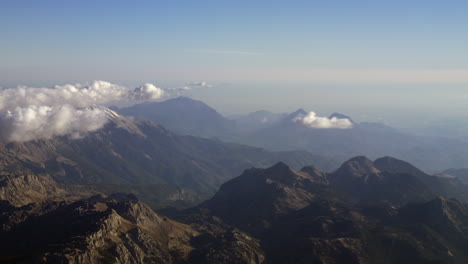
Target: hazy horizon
399,105
403,63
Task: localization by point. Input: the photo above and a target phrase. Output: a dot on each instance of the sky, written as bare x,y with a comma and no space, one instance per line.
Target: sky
353,48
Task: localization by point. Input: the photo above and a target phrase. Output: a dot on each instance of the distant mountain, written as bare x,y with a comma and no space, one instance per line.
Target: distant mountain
184,116
461,174
280,132
341,116
369,139
257,120
142,155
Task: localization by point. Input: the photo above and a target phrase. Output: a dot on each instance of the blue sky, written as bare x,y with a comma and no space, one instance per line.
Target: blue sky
386,44
228,40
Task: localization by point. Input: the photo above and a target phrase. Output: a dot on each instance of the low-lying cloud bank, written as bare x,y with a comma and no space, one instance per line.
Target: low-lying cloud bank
28,113
313,121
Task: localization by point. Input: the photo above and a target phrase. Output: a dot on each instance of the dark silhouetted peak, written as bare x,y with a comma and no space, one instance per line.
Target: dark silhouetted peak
361,179
394,165
358,167
187,103
183,115
259,196
340,116
279,166
299,112
282,174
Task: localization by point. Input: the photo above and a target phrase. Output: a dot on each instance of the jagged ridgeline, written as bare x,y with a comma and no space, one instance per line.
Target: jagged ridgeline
337,136
382,211
144,158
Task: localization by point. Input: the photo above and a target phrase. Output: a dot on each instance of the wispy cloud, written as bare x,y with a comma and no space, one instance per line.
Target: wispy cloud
202,84
210,51
449,76
189,86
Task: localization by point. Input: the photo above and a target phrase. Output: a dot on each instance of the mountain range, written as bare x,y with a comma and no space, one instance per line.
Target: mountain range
152,162
136,192
281,132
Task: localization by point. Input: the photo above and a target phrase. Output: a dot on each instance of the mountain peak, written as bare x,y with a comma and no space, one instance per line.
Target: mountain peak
358,166
298,113
183,115
394,165
182,98
340,116
259,196
279,166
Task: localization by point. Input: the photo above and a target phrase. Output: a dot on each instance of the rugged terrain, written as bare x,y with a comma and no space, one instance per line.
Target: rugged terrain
115,229
383,211
159,166
69,200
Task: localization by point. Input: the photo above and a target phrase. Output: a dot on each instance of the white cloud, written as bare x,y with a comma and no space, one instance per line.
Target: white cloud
40,113
43,122
313,121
